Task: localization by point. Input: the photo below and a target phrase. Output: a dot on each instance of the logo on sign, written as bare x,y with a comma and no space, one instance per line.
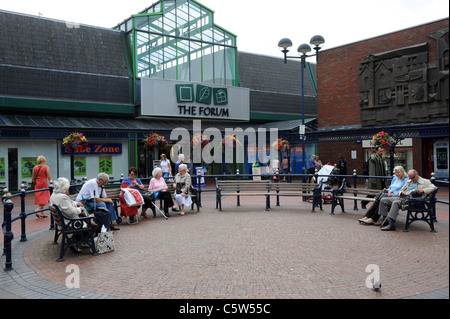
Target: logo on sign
185,93
202,94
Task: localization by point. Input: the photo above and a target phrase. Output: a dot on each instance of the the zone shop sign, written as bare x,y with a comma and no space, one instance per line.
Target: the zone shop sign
169,98
97,149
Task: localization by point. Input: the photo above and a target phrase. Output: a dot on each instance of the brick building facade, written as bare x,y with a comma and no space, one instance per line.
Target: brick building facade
340,107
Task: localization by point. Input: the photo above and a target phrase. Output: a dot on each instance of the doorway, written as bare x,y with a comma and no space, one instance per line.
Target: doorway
13,165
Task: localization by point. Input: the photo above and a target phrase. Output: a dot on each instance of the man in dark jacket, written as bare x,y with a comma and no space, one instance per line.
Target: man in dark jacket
377,167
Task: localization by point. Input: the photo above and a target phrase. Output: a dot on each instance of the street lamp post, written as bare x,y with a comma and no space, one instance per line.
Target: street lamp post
285,44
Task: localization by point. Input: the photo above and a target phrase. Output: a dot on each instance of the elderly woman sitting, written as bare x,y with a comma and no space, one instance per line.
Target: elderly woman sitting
68,207
158,190
182,186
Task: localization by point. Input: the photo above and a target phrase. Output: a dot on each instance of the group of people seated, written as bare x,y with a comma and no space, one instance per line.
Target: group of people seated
92,199
158,189
386,208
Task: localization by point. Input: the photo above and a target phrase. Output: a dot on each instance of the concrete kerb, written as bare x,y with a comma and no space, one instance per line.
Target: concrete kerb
24,283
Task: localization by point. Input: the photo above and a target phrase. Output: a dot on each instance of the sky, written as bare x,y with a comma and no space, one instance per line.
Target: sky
260,24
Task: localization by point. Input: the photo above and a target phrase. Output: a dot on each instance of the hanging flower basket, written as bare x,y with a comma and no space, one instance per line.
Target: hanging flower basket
282,145
155,141
231,140
75,142
200,139
384,140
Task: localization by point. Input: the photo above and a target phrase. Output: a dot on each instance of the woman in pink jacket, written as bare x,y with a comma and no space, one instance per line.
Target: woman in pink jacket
159,187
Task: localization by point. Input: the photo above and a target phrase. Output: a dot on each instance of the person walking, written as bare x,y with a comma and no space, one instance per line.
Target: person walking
285,167
165,167
41,176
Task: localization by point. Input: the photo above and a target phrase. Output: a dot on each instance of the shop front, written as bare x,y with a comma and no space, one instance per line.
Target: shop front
18,157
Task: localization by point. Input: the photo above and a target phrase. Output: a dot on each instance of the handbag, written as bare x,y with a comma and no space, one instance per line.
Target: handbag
105,242
179,188
33,181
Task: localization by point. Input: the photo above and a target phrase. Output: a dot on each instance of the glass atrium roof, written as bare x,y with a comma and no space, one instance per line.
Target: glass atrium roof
178,40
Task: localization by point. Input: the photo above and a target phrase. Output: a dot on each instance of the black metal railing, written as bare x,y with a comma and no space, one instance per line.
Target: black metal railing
8,204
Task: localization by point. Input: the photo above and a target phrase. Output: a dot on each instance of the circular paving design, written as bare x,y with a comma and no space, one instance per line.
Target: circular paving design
245,252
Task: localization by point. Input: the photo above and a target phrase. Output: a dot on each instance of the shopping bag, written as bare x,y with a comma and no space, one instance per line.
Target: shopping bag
132,197
105,241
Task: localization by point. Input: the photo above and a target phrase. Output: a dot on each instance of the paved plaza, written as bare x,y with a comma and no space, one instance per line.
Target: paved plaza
240,253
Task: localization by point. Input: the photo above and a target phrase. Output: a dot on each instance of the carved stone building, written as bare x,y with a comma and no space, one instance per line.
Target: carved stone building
398,83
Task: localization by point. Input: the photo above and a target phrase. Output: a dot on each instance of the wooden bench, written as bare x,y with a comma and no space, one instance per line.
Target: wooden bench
111,192
74,232
193,194
422,210
310,190
114,192
355,194
265,188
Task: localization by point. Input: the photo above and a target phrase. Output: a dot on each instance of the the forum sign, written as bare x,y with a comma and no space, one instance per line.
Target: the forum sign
168,98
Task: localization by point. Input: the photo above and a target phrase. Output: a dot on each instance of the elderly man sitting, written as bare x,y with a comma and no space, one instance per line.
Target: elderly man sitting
390,206
97,201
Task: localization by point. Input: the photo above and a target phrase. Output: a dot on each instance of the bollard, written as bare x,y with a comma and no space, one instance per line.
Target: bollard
199,193
355,181
238,198
8,206
277,180
23,215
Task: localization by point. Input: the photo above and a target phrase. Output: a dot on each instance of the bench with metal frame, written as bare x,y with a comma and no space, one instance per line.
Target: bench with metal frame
114,192
72,232
422,210
266,188
355,194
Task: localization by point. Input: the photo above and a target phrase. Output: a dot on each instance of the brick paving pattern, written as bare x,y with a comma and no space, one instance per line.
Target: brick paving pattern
242,252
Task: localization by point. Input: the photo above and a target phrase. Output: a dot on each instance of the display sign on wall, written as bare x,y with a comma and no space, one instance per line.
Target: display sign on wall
105,164
79,164
169,98
97,149
28,163
2,167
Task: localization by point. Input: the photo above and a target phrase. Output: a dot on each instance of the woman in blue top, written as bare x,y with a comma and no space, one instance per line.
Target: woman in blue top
400,178
133,182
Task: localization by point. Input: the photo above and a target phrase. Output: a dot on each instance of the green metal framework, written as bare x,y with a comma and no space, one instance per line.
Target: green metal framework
178,40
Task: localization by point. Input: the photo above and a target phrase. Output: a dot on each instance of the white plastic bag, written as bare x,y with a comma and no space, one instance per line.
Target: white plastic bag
132,197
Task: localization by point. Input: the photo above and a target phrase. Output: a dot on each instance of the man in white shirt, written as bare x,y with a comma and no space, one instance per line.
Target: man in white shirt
95,196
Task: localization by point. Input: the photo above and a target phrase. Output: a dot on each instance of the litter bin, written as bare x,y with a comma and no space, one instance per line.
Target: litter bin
256,170
199,171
